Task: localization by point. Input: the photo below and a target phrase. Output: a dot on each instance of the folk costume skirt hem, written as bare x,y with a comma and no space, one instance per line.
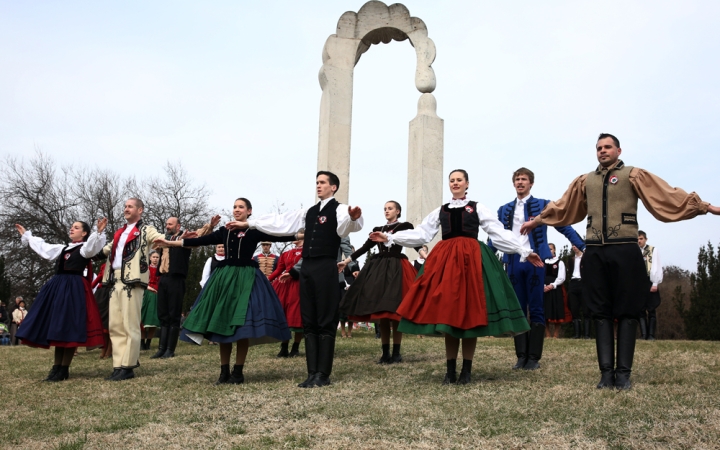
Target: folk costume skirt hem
236,303
379,289
462,291
556,306
289,295
148,314
64,314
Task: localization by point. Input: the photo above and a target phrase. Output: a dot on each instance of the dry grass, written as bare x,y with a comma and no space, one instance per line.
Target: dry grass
173,404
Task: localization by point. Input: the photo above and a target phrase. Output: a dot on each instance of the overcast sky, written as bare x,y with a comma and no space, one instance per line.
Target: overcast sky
230,89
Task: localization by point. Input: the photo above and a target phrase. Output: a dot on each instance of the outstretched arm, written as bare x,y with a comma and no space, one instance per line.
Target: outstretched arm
422,234
349,220
39,246
569,209
666,203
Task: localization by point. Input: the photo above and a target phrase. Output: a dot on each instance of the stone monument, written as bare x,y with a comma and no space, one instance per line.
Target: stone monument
376,22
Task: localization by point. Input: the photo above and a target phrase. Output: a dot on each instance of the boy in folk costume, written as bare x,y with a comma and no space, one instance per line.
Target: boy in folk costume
615,281
648,317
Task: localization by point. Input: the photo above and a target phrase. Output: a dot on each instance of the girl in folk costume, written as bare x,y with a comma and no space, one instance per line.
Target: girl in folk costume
462,290
237,304
64,314
288,291
148,314
212,263
379,288
556,308
102,299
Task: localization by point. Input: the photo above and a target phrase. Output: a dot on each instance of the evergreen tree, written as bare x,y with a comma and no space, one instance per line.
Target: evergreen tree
4,282
703,316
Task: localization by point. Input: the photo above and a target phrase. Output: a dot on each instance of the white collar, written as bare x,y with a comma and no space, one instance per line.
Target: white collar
458,202
219,258
522,200
129,227
552,260
325,202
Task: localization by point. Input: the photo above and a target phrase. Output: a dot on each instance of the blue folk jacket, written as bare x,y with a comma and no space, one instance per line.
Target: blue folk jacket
538,236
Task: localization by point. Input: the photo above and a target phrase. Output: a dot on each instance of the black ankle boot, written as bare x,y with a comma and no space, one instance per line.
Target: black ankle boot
652,325
224,374
451,374
237,377
52,373
535,346
385,358
124,374
283,350
643,328
311,358
396,356
604,342
173,336
521,350
62,374
576,326
114,373
295,350
627,329
162,346
464,377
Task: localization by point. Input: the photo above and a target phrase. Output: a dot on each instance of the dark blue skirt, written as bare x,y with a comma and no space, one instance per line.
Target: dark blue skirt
63,314
265,320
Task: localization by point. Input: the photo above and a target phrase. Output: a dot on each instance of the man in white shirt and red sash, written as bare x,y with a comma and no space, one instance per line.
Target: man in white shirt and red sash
127,273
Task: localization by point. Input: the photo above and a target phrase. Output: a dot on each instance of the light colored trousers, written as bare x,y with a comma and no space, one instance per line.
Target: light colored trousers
124,323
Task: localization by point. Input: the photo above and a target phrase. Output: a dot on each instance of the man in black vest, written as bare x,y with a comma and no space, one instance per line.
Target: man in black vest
612,265
325,224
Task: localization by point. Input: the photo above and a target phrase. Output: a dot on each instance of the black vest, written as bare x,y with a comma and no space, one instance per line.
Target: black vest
214,263
457,222
552,270
71,262
321,238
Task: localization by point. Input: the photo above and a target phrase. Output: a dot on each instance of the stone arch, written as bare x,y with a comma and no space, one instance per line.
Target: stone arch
356,32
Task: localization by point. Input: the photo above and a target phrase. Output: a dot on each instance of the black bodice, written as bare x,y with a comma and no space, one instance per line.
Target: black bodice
71,261
239,244
459,222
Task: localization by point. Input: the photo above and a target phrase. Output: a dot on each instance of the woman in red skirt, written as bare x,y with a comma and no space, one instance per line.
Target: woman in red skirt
64,314
379,288
462,291
288,291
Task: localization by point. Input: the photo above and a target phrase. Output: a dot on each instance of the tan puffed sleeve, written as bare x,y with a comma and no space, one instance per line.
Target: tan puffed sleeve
570,209
665,203
205,229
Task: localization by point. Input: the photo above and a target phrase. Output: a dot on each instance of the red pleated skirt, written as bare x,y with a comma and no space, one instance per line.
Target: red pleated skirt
289,295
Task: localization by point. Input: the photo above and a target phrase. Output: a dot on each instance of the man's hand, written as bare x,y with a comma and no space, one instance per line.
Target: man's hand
714,210
20,228
341,266
548,288
101,224
378,236
236,225
161,243
284,277
534,259
356,273
187,234
653,289
528,226
355,212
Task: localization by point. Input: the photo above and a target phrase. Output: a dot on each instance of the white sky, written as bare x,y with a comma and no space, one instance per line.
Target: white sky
230,89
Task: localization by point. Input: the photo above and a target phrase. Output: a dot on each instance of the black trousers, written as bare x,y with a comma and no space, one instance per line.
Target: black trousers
171,291
319,296
651,305
576,302
615,282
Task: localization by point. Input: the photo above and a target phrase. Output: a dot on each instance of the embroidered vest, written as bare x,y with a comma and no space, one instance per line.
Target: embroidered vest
457,222
612,207
71,262
321,238
647,256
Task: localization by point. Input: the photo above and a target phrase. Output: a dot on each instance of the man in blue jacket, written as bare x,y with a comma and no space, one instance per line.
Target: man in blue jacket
528,280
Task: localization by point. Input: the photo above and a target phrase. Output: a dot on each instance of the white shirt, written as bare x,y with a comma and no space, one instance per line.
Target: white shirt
206,269
502,239
289,223
576,267
117,261
90,248
561,271
518,220
656,272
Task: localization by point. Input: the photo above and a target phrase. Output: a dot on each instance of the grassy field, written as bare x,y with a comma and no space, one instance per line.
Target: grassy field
675,402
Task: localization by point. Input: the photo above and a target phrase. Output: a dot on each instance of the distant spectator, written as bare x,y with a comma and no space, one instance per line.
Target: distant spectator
18,316
4,334
4,318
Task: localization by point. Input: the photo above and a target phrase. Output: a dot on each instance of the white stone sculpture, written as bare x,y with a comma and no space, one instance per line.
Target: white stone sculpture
376,22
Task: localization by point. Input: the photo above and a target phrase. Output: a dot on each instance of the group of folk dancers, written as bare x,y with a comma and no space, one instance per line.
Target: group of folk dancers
461,292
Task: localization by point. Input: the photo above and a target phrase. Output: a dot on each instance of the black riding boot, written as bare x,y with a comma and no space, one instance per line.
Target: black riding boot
521,350
576,326
535,347
652,325
173,336
587,329
604,342
326,347
311,358
627,328
162,346
643,328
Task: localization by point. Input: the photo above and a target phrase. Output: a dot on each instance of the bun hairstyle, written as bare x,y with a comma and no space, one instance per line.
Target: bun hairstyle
397,206
86,228
248,205
462,171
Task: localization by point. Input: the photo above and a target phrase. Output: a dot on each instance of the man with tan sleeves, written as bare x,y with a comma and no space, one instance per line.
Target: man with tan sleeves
128,275
613,263
267,260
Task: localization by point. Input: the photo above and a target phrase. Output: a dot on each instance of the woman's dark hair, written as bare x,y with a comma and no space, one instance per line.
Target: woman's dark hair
462,171
86,228
21,302
397,206
332,178
248,205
